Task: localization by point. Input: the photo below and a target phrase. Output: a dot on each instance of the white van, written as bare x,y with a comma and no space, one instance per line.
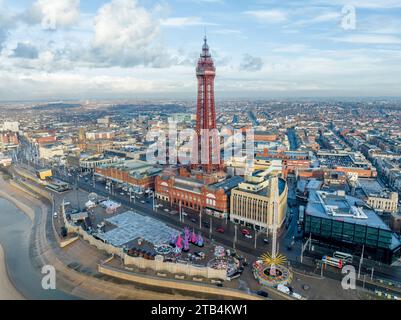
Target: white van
283,288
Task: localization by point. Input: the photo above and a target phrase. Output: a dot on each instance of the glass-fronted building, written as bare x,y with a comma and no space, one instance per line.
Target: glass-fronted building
347,223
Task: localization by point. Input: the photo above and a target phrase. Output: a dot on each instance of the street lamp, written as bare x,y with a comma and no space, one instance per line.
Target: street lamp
210,229
235,235
360,262
200,218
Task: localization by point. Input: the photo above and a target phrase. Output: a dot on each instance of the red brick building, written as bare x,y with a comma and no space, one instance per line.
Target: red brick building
194,194
133,172
8,138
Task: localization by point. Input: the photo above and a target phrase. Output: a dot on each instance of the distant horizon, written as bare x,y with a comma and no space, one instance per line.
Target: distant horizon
193,99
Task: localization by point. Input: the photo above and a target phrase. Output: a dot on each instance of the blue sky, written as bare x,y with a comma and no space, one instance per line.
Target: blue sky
148,48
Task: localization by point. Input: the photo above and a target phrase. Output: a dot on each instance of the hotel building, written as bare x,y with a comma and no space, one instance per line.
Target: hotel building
252,201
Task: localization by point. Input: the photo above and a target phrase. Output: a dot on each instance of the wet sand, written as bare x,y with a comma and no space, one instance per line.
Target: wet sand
7,290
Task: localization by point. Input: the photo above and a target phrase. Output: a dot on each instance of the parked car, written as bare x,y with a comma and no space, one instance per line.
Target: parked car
193,220
262,293
266,241
245,232
64,232
248,236
206,224
220,230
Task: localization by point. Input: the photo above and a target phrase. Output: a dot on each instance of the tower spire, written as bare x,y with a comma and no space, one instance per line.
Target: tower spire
205,48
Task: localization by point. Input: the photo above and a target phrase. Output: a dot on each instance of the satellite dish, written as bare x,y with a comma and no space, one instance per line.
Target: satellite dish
92,197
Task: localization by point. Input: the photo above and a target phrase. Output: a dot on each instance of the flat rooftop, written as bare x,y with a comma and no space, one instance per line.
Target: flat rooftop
227,184
131,225
342,206
371,187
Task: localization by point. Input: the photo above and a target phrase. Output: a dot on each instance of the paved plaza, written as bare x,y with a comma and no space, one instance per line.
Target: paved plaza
131,225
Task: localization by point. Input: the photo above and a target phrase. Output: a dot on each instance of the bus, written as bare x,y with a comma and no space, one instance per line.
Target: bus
346,257
334,262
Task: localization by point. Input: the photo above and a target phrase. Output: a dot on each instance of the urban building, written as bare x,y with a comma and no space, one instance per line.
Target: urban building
50,151
348,224
89,162
8,140
347,162
376,195
12,126
100,135
194,194
135,173
252,201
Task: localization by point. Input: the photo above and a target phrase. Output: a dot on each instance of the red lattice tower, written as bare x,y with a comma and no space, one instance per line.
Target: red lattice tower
206,114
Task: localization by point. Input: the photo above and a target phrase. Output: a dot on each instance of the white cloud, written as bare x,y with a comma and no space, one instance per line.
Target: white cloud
328,16
125,34
53,14
370,39
7,22
251,64
368,4
268,16
184,22
69,85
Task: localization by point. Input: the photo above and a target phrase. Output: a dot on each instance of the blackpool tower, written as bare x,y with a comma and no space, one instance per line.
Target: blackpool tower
207,155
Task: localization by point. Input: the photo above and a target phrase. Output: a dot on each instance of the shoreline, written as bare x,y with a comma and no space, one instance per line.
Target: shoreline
7,290
28,211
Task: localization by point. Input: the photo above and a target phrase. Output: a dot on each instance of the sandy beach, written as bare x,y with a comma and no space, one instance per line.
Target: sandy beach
7,290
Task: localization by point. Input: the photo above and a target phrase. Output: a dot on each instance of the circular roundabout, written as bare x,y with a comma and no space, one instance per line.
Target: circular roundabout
264,275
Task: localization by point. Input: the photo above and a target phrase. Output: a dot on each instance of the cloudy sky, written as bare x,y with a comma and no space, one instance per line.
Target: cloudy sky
66,49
